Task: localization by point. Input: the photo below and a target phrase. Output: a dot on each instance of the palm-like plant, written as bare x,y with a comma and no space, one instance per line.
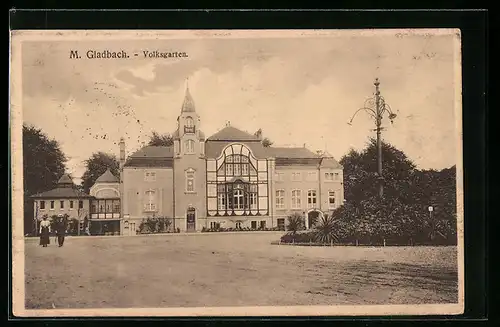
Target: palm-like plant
325,231
295,223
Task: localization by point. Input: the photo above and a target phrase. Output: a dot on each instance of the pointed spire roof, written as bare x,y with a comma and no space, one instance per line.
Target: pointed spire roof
107,177
188,104
65,180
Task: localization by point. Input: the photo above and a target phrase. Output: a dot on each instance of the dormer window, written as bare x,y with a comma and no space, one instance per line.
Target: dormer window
189,126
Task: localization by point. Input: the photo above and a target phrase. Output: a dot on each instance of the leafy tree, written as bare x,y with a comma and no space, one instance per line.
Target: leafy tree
97,165
360,169
157,139
43,165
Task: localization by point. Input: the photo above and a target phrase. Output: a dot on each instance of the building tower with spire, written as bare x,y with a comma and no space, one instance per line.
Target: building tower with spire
189,166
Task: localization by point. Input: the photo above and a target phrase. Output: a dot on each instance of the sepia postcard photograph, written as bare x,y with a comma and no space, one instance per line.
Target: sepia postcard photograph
236,173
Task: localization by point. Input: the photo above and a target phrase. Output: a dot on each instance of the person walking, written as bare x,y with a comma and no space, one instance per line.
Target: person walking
44,232
61,231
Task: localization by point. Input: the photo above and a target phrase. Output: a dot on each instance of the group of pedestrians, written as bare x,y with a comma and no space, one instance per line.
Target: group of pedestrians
46,230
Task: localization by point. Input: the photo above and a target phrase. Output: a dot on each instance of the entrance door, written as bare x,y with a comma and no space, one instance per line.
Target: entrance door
131,229
313,218
191,220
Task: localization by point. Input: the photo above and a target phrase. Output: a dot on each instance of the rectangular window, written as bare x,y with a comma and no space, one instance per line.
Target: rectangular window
244,169
150,205
149,176
61,203
280,176
331,199
311,199
329,176
80,204
71,204
42,205
253,201
237,170
280,199
94,207
229,169
116,206
51,205
296,177
337,176
262,224
253,224
238,202
312,176
221,201
102,207
296,199
109,206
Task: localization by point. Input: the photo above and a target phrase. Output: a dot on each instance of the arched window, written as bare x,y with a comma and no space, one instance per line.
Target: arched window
189,146
189,127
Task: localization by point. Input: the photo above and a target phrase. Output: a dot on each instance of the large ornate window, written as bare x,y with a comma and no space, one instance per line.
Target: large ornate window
237,183
237,196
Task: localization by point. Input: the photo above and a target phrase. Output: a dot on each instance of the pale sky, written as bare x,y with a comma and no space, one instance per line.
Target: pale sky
298,90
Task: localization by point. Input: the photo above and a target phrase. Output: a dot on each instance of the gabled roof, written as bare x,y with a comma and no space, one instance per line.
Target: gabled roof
292,153
150,151
232,134
151,156
62,193
107,177
330,162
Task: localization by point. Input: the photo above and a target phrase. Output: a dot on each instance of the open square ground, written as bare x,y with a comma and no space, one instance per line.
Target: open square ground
226,269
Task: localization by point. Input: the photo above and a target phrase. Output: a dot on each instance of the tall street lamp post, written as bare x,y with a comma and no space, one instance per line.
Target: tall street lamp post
376,107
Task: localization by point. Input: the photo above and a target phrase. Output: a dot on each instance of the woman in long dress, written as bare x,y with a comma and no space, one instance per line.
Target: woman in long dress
44,232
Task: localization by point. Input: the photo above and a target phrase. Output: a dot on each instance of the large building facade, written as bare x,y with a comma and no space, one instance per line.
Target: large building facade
229,180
